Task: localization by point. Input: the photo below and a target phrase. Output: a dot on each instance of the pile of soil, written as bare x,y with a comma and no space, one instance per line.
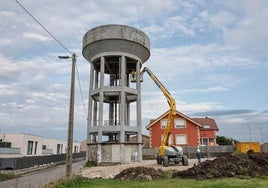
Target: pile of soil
235,165
252,165
139,173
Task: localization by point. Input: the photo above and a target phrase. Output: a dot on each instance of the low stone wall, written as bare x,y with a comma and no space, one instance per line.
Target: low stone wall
206,151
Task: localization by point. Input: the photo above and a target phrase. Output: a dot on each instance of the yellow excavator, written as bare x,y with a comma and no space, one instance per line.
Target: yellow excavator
167,153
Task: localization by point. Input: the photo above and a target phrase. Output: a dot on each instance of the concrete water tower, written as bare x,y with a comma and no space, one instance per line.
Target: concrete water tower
114,130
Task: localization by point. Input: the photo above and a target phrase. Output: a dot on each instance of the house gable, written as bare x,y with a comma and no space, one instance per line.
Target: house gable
207,124
188,135
153,121
208,131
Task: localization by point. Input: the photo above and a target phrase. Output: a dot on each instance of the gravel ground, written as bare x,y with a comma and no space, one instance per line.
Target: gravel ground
110,171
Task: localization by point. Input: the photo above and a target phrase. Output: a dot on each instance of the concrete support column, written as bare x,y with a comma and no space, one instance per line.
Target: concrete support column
138,110
89,116
100,120
95,104
122,107
95,108
128,114
111,104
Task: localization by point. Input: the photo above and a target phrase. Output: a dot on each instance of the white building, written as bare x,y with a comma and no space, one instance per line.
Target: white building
27,143
22,144
59,146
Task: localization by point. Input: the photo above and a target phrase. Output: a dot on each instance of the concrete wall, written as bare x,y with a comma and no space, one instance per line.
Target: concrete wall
264,148
110,153
206,151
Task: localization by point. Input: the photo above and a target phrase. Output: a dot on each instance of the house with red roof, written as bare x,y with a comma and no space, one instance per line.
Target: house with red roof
186,131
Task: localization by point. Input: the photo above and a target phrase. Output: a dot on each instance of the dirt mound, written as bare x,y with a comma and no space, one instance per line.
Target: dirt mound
139,173
253,165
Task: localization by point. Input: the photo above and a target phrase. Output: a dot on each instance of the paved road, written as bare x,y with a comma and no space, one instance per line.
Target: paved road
40,178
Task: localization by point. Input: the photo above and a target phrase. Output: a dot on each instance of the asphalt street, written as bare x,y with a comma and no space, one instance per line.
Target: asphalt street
40,178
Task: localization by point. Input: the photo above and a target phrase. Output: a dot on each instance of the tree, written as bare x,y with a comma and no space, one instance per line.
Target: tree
222,140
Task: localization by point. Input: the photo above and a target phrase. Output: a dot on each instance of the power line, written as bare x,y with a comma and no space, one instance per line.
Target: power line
59,44
81,91
43,26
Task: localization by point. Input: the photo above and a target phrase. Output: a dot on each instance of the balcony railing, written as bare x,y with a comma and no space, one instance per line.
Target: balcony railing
47,151
9,150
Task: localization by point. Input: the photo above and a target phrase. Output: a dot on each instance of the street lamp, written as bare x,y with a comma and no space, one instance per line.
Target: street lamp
69,157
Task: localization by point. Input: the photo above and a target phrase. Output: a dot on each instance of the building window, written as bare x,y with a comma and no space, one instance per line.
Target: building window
180,123
207,141
30,148
170,139
206,126
163,123
181,139
35,148
59,148
75,149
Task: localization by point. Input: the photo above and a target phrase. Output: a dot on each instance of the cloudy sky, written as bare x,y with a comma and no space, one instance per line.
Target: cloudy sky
211,55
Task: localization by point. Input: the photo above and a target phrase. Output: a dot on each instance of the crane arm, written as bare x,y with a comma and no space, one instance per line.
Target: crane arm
171,102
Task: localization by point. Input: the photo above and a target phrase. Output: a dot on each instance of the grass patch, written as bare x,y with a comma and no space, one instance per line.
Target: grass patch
90,164
4,177
80,182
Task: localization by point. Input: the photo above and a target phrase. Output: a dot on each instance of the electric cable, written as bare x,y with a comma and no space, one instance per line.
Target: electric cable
78,78
42,26
61,44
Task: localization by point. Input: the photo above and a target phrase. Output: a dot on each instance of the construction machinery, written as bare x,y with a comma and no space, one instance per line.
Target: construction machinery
247,147
167,153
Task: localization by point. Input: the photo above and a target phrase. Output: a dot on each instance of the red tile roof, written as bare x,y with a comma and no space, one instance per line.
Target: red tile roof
207,123
153,121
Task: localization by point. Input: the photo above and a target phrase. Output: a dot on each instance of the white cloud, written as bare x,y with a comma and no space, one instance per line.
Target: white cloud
191,59
211,89
5,91
179,25
223,19
9,71
5,41
37,37
250,31
192,108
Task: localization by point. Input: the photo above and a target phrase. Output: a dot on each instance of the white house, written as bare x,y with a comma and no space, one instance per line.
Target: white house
22,144
29,144
59,146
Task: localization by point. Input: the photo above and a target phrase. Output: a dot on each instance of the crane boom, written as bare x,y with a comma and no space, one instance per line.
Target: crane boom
171,102
167,153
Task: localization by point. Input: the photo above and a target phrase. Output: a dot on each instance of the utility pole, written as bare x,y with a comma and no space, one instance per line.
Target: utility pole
249,132
261,136
69,155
